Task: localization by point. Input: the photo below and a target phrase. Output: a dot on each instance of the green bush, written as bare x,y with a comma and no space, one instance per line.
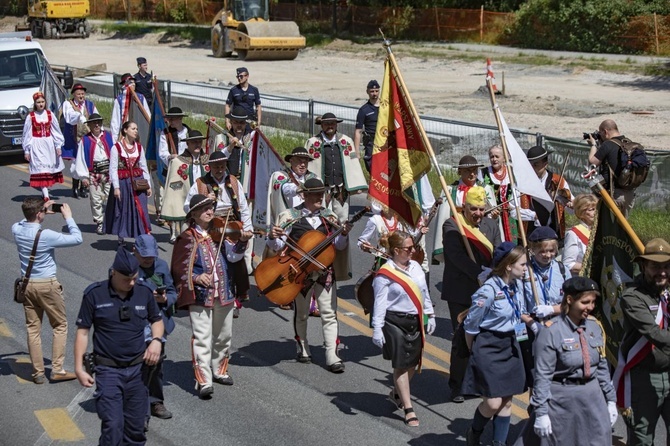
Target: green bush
579,25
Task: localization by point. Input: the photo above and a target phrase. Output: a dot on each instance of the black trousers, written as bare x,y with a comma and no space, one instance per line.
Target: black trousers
458,365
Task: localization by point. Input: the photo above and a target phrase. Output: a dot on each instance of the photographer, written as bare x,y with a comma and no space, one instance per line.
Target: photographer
44,294
155,273
604,152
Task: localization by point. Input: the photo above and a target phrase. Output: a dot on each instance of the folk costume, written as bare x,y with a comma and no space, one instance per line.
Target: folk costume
121,108
129,216
210,309
92,164
75,115
296,222
41,139
336,164
457,190
502,191
283,193
181,174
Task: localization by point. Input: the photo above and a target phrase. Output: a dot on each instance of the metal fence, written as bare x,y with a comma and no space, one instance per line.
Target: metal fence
451,139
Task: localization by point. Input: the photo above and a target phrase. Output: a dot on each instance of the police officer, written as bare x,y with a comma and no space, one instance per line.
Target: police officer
155,273
119,309
366,123
573,399
143,81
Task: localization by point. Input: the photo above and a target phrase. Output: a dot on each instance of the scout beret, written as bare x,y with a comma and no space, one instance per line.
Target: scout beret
542,233
579,284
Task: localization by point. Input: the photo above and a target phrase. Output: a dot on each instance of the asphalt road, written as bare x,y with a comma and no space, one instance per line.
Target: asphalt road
275,400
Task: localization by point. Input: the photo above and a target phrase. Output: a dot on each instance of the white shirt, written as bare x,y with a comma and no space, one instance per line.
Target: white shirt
223,202
80,170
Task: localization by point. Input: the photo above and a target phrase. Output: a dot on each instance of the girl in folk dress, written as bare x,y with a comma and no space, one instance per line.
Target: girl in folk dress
42,144
127,214
577,238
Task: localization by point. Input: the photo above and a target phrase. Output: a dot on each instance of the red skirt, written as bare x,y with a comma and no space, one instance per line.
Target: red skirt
40,180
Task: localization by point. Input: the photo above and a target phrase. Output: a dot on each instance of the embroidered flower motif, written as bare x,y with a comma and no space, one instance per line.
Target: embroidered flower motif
317,155
180,172
346,153
311,151
281,178
343,142
220,146
275,186
317,144
184,166
206,168
184,177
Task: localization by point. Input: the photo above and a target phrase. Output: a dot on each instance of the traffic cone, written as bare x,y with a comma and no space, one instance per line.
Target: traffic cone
489,75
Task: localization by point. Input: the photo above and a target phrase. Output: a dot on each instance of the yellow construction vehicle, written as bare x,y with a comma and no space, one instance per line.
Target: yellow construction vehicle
53,19
242,26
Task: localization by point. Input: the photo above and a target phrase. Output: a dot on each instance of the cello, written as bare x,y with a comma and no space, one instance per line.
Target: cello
282,277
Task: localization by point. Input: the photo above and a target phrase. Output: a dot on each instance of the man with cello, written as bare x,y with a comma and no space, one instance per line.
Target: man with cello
291,228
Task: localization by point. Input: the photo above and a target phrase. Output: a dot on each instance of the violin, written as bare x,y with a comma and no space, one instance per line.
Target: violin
232,230
419,254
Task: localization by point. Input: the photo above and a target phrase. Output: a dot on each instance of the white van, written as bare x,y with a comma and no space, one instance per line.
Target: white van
21,68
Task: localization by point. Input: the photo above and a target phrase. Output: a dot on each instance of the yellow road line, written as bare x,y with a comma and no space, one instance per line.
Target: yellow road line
428,348
4,329
58,424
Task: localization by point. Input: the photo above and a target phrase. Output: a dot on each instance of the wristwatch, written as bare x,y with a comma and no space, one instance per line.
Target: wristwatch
157,339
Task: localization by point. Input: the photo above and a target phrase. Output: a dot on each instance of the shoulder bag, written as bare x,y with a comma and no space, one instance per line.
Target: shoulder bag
21,283
142,184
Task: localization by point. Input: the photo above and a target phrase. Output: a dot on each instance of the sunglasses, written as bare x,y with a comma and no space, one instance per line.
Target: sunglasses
241,76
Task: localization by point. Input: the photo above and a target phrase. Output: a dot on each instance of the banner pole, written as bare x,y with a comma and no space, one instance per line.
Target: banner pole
512,185
414,115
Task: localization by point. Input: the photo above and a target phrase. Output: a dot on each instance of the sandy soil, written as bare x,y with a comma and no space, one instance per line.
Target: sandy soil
554,100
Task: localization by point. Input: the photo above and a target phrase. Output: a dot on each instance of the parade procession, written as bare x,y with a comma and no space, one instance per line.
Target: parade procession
214,268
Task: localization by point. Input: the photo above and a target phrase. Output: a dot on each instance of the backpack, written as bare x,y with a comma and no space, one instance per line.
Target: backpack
634,164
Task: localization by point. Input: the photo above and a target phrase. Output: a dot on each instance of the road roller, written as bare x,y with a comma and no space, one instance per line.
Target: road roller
243,27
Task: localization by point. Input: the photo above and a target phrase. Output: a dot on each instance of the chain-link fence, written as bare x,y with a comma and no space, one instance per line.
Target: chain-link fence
450,139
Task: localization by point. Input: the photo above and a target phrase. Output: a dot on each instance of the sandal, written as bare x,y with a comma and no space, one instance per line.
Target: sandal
412,421
395,399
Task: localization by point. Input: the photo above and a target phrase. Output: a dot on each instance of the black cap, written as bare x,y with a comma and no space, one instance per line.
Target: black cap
373,84
501,252
537,153
542,233
242,70
125,262
313,185
239,113
141,60
175,112
298,151
578,284
94,117
198,201
194,135
217,156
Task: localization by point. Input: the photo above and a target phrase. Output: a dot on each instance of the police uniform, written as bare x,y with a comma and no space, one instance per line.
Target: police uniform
119,345
495,368
366,120
247,99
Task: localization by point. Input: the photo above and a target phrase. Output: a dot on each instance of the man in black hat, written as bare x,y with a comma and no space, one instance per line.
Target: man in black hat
182,173
92,167
336,163
143,81
228,194
539,215
285,187
311,215
643,371
366,123
73,125
246,96
200,273
176,134
239,142
118,310
119,118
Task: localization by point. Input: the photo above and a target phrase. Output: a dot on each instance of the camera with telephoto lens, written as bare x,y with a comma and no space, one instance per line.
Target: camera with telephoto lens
595,135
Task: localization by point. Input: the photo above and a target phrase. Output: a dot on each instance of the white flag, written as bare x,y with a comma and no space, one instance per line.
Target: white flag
263,161
527,181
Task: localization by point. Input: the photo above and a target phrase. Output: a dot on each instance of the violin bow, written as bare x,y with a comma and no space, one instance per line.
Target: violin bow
223,233
565,164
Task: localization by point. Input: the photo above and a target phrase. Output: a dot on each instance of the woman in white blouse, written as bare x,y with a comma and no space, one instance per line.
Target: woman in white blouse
577,238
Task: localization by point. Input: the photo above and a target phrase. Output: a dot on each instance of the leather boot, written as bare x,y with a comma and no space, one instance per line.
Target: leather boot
83,191
75,188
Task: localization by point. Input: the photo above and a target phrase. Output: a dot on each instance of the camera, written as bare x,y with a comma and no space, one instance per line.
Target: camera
57,207
595,135
124,313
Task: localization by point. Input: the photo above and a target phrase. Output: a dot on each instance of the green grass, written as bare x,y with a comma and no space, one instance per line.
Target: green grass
646,223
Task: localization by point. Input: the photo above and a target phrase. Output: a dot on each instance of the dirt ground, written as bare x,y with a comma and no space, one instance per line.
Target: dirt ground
560,101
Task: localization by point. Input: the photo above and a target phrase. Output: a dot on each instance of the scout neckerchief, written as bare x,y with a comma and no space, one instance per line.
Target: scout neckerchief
544,279
636,354
413,291
582,232
477,238
513,302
